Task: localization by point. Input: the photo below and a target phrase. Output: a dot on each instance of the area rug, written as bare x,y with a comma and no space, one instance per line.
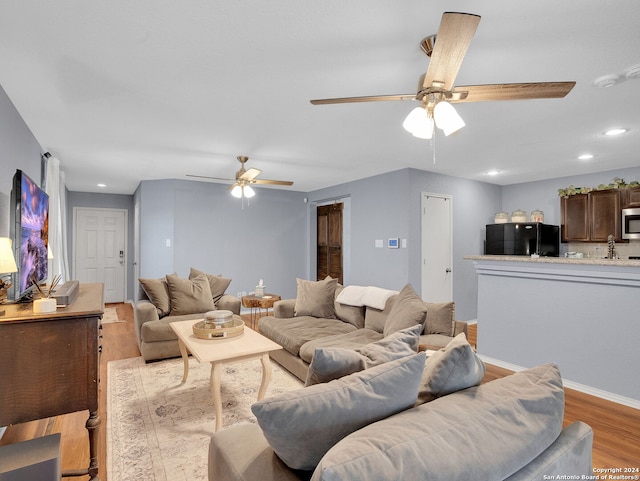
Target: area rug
158,429
110,316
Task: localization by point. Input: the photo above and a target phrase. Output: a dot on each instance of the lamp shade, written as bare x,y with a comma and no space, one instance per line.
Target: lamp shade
7,261
419,123
236,191
248,191
447,118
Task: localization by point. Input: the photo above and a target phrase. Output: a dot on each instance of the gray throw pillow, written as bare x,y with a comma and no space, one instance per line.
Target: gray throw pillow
302,425
351,314
329,363
157,291
408,310
451,369
440,318
217,284
315,298
189,296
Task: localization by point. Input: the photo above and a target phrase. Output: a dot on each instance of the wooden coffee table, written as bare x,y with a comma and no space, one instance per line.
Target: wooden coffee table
248,345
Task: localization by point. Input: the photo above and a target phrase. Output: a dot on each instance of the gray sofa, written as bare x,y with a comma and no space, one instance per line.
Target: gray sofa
507,429
162,303
352,327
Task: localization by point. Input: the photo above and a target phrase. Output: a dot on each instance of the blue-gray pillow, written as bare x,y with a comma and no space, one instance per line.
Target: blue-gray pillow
302,425
451,369
329,363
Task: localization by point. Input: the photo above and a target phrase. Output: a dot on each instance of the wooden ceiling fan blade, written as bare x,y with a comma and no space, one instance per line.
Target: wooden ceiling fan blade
272,182
373,98
515,91
208,177
250,174
452,41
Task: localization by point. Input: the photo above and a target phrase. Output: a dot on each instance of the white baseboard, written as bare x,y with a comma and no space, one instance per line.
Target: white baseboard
609,396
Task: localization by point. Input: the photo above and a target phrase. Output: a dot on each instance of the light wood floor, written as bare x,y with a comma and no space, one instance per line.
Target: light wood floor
616,427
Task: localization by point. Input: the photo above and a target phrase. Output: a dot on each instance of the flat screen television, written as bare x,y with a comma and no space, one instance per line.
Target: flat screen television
29,229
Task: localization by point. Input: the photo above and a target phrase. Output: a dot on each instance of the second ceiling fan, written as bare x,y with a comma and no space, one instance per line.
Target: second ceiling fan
244,177
447,50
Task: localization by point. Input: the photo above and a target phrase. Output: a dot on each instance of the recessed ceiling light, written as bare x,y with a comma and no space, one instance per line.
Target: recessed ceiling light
102,185
585,156
493,172
613,132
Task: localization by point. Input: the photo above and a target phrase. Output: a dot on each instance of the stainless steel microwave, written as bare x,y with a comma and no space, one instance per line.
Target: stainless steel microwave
631,223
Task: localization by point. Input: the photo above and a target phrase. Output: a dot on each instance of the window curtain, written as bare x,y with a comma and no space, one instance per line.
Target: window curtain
54,185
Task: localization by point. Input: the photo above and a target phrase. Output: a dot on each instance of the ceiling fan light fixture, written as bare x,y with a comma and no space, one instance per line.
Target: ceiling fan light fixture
447,118
248,191
417,122
236,191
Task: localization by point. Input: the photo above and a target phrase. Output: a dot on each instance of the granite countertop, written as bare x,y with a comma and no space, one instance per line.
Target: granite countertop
559,260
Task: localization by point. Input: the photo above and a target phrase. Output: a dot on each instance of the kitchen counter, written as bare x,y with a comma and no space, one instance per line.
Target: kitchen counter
589,261
582,314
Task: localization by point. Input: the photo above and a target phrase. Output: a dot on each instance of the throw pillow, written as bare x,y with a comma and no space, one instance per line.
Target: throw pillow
158,293
351,314
450,369
315,298
302,425
408,310
217,284
440,318
189,296
329,363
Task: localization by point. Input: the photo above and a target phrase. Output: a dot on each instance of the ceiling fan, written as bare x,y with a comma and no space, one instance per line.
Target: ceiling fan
447,50
241,187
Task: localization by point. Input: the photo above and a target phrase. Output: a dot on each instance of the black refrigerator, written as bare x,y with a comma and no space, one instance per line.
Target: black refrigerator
522,239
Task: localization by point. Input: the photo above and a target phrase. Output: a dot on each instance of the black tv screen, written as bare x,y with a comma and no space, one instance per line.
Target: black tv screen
30,233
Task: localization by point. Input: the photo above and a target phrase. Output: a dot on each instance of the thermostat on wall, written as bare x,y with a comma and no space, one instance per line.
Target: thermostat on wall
393,243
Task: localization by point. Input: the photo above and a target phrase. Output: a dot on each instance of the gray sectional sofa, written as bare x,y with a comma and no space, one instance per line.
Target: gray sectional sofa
318,319
507,429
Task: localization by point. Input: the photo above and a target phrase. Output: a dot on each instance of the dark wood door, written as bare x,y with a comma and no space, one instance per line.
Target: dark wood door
329,244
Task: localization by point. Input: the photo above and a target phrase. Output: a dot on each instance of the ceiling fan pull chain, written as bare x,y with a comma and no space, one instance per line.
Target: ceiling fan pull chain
433,146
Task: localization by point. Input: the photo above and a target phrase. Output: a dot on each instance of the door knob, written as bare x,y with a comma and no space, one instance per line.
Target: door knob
447,270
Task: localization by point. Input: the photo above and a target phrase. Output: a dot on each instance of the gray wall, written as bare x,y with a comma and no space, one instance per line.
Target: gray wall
388,205
19,149
186,224
102,201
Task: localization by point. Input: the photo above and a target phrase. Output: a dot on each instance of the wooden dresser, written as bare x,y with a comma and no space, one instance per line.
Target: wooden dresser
49,364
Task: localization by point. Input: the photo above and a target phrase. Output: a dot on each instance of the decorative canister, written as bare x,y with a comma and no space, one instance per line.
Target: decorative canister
501,218
518,216
537,216
218,319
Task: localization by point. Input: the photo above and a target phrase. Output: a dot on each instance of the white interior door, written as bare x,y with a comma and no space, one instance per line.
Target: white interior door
99,249
437,275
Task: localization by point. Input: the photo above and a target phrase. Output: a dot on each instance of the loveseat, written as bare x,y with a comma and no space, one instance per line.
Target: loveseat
318,318
170,299
507,429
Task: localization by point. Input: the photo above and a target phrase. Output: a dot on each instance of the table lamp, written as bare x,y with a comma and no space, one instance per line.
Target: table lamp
7,266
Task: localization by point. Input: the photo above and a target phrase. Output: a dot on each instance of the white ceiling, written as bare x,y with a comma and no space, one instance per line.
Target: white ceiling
122,91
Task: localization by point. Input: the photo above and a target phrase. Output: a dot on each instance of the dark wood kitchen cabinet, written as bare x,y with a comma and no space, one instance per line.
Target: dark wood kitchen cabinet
591,217
631,197
574,212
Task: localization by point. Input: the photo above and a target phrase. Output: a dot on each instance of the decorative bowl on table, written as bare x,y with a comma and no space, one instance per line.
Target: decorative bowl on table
207,331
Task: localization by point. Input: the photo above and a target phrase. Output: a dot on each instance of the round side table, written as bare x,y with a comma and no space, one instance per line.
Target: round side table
257,304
